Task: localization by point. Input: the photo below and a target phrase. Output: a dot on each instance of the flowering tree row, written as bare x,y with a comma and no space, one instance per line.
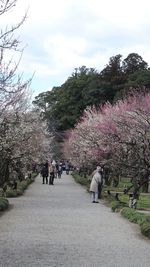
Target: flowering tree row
115,136
23,135
23,139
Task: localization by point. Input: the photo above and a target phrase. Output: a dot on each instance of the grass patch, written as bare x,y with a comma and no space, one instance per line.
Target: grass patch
143,202
125,182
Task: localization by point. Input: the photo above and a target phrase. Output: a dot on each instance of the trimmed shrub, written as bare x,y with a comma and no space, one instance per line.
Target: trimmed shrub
140,218
1,192
19,192
80,179
33,175
21,187
116,206
132,215
145,229
4,204
11,193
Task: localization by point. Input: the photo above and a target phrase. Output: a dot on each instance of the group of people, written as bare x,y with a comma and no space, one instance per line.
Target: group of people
96,184
52,170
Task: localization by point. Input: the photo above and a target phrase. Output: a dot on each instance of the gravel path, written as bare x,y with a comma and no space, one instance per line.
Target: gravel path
54,226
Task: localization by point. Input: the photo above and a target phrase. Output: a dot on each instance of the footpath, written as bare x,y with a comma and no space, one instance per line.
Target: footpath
55,226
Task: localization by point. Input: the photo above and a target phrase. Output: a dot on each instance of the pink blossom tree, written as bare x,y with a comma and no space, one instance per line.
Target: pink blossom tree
129,138
116,136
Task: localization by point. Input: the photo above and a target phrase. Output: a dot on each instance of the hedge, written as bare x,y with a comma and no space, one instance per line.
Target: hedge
4,204
137,217
21,187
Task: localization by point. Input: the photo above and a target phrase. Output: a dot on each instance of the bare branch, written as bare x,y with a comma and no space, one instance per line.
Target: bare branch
6,5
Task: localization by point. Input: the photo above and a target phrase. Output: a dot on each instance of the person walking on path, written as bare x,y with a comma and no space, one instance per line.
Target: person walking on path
59,170
100,185
51,174
67,167
44,174
96,181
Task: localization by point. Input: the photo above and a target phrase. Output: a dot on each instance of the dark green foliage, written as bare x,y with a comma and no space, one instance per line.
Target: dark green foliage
80,179
117,205
113,74
133,63
139,78
132,215
4,204
11,193
21,187
33,176
19,192
145,229
63,106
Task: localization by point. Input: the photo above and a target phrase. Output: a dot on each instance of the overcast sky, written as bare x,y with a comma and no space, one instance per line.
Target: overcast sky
61,35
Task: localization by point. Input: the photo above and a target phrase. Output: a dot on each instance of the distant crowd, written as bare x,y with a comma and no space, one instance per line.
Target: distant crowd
54,169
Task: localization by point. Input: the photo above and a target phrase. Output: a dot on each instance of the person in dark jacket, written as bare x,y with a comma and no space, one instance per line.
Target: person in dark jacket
44,174
67,167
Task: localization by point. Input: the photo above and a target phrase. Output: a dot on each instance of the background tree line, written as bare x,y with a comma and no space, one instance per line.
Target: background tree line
63,105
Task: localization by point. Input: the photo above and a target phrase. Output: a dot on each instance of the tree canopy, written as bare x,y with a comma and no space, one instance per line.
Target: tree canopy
64,105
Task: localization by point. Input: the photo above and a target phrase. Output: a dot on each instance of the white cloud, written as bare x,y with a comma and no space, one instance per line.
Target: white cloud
62,35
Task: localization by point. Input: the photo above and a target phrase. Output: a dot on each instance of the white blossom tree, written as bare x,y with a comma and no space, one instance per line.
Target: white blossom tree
23,135
23,139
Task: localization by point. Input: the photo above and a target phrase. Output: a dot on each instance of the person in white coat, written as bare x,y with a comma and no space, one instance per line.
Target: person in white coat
96,180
